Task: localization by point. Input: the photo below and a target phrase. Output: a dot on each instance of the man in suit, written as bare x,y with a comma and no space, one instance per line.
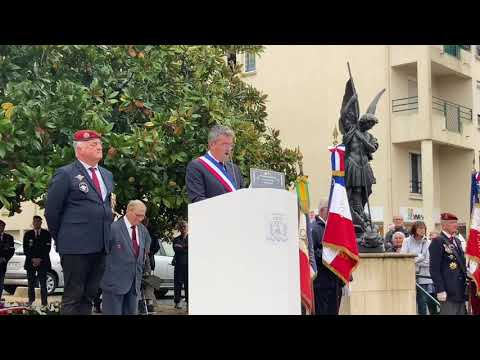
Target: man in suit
180,274
7,249
127,251
327,287
211,174
448,268
36,247
79,214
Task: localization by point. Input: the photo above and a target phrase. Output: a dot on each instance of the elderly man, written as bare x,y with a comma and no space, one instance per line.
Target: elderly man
448,268
327,286
79,214
127,251
397,226
211,174
7,249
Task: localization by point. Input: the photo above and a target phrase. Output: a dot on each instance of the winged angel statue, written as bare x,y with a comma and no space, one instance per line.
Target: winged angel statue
359,147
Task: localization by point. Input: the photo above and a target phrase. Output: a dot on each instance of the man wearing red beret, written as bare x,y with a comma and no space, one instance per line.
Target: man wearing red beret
79,215
448,268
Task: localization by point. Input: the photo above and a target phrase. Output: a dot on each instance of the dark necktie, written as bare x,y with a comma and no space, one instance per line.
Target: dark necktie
95,181
136,248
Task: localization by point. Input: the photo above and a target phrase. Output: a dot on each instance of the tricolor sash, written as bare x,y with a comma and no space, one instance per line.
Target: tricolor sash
214,169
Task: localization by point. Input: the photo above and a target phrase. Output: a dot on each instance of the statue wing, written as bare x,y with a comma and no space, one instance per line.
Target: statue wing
373,106
349,112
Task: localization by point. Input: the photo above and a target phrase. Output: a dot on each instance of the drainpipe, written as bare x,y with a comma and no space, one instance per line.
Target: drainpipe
389,147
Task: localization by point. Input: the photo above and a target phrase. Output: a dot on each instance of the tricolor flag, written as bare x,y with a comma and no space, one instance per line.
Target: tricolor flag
473,243
308,267
340,251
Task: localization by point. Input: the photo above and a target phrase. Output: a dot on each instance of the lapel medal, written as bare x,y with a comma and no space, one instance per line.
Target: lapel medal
448,250
79,177
83,187
453,266
451,257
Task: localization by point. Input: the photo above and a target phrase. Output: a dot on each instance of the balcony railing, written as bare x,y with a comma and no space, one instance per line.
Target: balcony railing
404,104
415,186
454,113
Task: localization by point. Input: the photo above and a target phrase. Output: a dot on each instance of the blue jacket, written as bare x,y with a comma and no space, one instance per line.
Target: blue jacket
77,217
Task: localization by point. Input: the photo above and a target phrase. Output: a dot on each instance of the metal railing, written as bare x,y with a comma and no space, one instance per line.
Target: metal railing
404,104
453,113
424,291
415,186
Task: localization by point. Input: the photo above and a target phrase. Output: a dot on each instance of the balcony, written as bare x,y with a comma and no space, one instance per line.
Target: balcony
450,123
452,113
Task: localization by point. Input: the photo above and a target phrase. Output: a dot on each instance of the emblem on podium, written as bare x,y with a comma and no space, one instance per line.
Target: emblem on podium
277,229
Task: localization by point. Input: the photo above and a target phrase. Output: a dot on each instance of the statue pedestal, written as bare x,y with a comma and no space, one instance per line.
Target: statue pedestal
383,284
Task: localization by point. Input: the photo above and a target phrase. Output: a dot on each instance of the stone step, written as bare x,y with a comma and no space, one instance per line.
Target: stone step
22,293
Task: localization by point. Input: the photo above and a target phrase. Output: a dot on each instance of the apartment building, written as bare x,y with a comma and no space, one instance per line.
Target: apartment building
429,118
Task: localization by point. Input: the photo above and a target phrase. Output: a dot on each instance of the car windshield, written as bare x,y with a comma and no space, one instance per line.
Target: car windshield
168,248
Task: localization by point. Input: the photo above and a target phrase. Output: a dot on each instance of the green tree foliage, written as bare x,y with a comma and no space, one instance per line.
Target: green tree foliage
153,105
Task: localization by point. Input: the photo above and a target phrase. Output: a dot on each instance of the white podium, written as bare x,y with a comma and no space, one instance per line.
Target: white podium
243,255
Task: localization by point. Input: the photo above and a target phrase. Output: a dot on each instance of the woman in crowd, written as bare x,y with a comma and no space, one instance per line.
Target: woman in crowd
417,243
398,239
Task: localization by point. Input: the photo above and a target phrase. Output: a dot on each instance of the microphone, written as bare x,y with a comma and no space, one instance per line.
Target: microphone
230,158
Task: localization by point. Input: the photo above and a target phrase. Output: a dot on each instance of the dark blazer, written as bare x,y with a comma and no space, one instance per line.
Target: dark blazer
201,184
122,268
180,246
37,248
325,279
7,248
79,221
448,268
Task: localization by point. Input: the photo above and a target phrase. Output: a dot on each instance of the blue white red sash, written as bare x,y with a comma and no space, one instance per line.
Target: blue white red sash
214,169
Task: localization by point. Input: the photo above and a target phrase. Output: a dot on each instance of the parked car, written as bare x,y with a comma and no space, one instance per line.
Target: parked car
16,275
164,268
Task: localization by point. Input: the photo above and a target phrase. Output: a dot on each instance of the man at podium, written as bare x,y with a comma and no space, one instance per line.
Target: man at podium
214,173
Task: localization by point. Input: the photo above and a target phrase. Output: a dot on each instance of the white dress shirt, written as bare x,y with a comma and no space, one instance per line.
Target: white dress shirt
129,229
103,188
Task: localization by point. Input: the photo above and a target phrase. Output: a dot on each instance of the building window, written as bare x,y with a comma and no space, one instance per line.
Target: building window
415,173
453,50
477,47
250,64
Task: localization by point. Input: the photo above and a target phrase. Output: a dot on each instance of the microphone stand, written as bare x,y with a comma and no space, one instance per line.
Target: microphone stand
230,158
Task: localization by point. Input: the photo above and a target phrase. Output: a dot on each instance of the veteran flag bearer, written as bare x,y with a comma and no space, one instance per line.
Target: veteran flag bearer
79,214
448,268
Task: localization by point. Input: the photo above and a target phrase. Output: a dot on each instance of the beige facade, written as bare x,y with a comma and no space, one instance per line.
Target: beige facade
429,109
19,223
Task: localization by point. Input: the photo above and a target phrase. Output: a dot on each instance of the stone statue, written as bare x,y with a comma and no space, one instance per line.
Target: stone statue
359,147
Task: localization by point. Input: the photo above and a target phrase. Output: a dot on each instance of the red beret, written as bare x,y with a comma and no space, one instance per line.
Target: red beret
85,135
448,216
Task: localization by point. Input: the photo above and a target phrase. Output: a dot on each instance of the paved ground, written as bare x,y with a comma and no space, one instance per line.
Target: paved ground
164,305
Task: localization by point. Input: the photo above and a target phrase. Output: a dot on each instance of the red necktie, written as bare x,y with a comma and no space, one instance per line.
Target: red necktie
136,248
95,181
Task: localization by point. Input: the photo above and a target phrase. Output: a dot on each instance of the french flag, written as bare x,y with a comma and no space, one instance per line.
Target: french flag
340,251
473,243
